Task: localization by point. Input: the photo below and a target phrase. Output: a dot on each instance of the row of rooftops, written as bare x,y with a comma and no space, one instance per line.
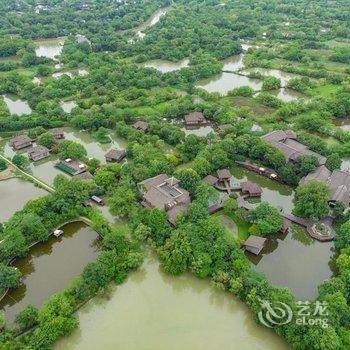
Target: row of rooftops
338,181
24,141
286,142
194,118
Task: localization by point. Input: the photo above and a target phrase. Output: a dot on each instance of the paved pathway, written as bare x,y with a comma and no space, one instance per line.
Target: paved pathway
308,224
35,179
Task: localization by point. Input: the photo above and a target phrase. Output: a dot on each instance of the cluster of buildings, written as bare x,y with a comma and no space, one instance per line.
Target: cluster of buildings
35,152
69,166
338,181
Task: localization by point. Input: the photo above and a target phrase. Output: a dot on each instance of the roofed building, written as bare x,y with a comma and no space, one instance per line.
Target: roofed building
250,188
57,133
141,125
86,175
115,155
292,149
163,192
254,244
71,167
321,173
195,118
38,152
20,142
223,127
339,185
224,175
82,39
211,180
337,181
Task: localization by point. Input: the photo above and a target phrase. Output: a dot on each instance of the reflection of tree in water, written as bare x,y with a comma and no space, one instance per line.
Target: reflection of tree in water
241,174
300,234
14,296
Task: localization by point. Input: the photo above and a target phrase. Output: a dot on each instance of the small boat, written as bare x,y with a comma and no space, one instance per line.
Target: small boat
57,233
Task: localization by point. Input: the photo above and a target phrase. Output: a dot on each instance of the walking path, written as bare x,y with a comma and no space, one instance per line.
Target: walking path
308,224
35,179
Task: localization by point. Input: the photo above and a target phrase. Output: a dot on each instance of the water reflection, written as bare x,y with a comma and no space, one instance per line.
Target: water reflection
273,192
197,130
16,106
225,82
343,123
50,266
68,106
49,48
14,194
296,261
158,311
165,66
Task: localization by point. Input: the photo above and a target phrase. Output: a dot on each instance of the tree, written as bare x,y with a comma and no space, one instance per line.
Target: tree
189,179
101,135
176,253
311,200
333,162
20,161
71,149
47,139
3,165
271,83
122,201
105,178
342,239
231,205
27,318
267,218
306,164
9,277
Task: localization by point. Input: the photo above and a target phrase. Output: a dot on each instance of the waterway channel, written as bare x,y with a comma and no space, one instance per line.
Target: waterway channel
50,266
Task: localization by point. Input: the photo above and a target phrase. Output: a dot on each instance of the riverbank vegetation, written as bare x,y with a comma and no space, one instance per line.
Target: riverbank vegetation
306,42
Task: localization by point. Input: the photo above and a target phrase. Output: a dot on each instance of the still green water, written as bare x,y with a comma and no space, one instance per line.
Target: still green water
155,311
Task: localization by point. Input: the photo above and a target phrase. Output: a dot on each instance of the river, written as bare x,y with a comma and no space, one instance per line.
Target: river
224,82
50,266
152,311
200,131
150,22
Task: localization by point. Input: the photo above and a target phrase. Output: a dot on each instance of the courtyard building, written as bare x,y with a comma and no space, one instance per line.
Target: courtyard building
164,192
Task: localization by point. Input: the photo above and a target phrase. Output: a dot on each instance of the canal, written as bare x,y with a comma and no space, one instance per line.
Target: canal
50,266
152,310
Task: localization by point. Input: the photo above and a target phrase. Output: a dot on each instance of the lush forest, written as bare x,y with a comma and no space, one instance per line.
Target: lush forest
309,39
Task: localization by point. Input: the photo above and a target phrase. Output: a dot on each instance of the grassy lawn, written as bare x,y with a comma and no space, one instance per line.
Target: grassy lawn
241,225
29,72
325,90
252,104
